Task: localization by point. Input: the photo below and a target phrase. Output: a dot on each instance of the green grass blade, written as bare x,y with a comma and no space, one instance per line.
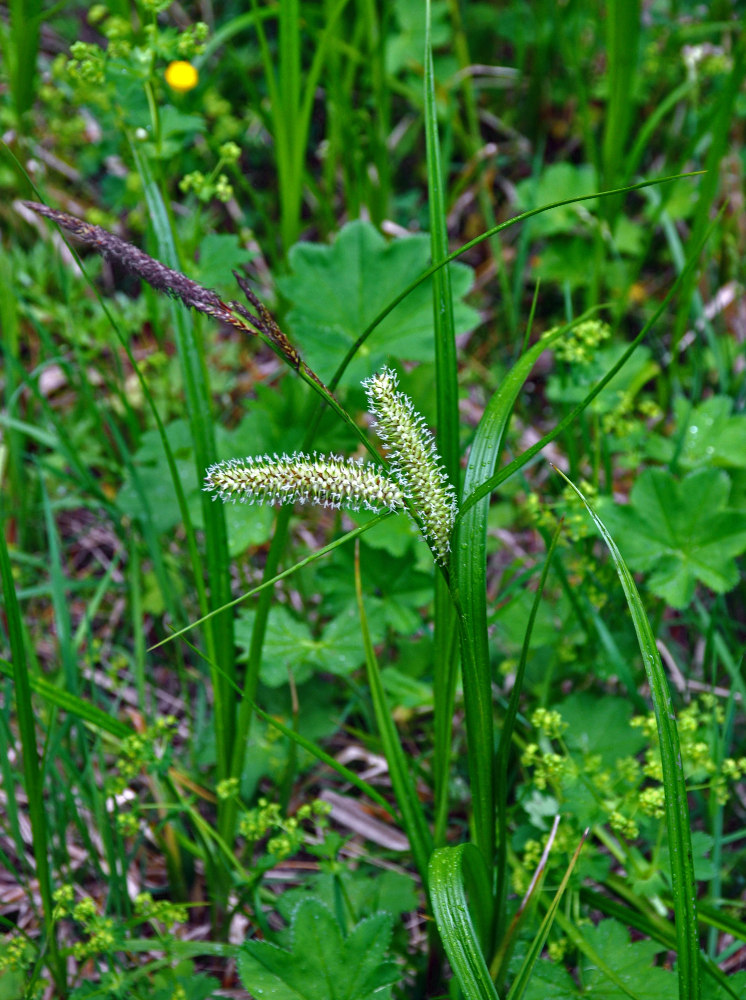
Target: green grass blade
718,148
17,494
60,601
521,981
228,31
199,408
655,927
413,818
32,772
291,104
95,717
345,773
450,870
469,570
286,120
20,49
60,443
270,582
677,809
445,665
445,336
622,46
583,945
504,746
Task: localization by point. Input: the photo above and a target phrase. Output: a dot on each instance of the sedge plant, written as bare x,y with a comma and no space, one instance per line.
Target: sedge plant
411,477
421,476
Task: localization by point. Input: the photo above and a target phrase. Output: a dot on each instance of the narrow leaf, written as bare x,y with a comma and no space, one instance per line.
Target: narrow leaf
677,809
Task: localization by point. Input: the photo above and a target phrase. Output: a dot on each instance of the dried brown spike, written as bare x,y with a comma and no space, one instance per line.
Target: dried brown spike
266,323
162,278
174,283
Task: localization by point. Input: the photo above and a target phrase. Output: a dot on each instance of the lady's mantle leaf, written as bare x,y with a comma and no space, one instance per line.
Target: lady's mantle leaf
290,646
680,532
322,963
608,947
337,290
707,434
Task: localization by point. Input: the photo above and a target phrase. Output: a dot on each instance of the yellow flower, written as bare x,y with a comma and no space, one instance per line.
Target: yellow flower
181,76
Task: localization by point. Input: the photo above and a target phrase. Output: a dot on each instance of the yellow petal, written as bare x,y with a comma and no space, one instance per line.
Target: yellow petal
181,76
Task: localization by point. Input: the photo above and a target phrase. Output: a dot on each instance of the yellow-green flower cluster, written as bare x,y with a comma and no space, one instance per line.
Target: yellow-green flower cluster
86,64
652,802
17,954
415,462
582,341
548,768
142,751
257,822
700,760
288,833
160,911
99,930
128,823
549,722
227,789
558,949
623,825
206,188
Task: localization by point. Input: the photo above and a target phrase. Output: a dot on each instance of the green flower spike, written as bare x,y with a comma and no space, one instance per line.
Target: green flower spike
298,478
415,462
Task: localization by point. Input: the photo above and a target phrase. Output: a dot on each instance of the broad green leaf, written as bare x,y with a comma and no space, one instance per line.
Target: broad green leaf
246,525
405,691
340,647
366,891
600,726
632,962
702,849
322,963
404,47
737,983
678,823
680,532
149,466
290,646
395,589
606,946
550,981
558,183
705,435
219,255
552,619
337,290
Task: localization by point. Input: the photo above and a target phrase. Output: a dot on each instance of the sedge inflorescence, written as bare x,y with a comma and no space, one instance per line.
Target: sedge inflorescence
415,462
329,481
416,478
